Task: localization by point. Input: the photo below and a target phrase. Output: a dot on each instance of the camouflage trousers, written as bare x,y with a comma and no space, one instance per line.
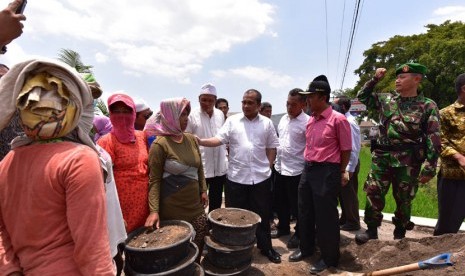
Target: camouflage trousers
404,182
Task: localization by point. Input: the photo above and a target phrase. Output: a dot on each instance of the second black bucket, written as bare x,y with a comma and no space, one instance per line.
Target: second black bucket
233,226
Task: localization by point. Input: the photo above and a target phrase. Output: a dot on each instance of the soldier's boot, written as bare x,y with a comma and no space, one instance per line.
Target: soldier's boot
399,233
370,234
400,230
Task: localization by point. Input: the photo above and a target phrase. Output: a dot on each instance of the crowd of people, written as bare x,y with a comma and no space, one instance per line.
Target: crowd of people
74,182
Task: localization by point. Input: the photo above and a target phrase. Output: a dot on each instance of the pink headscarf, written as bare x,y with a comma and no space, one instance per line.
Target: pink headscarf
102,125
123,124
167,119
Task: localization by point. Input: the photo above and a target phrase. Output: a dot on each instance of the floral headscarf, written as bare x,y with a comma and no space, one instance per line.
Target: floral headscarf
167,119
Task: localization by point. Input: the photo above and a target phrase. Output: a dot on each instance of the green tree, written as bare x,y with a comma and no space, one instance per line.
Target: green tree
73,59
441,49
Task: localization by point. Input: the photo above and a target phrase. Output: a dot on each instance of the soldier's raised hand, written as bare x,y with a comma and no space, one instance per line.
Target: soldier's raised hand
380,72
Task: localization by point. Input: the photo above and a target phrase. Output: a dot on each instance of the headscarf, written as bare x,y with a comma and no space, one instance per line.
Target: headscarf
102,125
72,106
123,124
167,119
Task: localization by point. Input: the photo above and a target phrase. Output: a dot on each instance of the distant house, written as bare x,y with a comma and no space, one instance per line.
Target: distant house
367,128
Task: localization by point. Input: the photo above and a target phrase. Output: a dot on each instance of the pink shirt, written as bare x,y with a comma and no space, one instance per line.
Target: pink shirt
327,135
52,212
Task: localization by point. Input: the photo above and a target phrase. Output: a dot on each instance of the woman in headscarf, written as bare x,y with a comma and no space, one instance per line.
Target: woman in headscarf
52,199
102,126
177,182
128,150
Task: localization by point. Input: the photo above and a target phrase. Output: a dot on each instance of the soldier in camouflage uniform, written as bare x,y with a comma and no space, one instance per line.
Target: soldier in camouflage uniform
409,138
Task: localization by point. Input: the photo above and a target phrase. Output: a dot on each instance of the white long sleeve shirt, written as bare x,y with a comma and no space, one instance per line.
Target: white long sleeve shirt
356,142
248,141
290,155
215,160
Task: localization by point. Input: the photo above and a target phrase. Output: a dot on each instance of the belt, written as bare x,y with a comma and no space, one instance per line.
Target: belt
314,164
401,147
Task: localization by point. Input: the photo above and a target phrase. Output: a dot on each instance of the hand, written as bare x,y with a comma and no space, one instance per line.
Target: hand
425,179
152,219
204,199
344,178
10,22
461,160
380,72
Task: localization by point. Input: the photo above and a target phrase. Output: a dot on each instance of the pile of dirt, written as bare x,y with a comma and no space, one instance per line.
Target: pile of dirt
375,255
162,237
379,254
234,217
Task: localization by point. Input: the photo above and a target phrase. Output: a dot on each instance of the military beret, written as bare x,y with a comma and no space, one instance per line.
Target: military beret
411,67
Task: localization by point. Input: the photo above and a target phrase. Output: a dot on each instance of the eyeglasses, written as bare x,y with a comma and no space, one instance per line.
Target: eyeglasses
148,115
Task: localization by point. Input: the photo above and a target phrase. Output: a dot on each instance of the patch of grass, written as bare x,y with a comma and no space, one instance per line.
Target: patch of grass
425,203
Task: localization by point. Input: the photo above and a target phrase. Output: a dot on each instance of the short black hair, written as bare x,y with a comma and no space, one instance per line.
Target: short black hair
459,82
265,105
259,95
221,100
344,101
296,92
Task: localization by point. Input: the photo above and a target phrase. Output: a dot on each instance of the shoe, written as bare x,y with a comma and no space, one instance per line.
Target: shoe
272,255
349,227
318,267
293,242
276,233
399,233
298,256
370,234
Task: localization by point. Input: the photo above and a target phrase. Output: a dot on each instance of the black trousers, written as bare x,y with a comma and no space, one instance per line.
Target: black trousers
451,204
286,188
215,191
349,200
318,215
255,198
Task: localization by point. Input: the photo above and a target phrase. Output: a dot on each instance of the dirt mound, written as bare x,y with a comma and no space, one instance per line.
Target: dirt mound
379,254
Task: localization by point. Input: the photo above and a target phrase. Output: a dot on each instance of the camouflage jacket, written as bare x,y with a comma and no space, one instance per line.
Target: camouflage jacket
452,140
405,122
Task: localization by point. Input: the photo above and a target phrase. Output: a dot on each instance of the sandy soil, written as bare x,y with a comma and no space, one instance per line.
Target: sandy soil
418,245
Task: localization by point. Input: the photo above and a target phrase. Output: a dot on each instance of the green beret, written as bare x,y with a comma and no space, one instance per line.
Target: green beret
411,67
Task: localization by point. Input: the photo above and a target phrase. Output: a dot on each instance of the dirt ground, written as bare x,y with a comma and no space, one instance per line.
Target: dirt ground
419,245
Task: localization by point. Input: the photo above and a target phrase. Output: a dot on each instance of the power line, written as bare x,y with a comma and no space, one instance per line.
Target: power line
327,43
340,41
351,40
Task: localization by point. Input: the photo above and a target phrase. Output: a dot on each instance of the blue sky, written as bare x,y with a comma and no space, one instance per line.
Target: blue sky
158,49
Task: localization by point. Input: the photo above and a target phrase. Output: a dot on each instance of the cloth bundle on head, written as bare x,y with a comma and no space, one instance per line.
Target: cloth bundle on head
141,105
123,123
52,98
208,89
102,125
167,119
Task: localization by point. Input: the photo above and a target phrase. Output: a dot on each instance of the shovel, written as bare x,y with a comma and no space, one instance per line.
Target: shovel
439,261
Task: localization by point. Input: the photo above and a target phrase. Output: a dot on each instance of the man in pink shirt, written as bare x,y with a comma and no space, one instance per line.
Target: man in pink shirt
326,155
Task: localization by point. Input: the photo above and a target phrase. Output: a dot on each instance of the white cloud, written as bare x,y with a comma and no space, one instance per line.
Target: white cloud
257,74
101,58
452,13
170,38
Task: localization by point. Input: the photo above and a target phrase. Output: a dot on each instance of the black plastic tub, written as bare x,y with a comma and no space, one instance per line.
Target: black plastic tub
186,267
156,260
236,234
227,256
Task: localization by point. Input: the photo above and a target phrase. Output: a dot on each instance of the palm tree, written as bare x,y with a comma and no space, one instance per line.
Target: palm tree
73,59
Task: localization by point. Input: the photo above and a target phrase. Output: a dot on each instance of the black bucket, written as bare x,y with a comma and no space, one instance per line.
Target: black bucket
156,260
233,234
227,256
186,267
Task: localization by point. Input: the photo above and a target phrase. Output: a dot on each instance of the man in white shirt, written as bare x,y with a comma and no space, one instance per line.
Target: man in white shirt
350,219
290,162
252,150
204,122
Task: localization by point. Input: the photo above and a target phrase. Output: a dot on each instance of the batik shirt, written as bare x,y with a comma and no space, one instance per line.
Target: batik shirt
405,121
452,139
